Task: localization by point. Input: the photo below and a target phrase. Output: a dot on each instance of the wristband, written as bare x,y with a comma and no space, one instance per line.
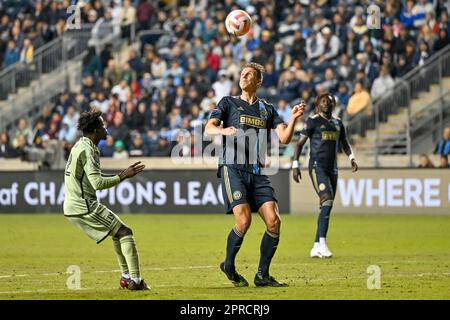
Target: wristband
295,164
351,157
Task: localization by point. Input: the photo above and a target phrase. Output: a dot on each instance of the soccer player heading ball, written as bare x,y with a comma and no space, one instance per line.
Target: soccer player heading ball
82,178
245,189
325,132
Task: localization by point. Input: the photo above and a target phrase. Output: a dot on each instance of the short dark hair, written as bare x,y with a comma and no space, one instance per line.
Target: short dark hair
90,121
259,69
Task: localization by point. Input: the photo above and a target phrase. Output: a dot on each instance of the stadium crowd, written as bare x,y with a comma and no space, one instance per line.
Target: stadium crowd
172,83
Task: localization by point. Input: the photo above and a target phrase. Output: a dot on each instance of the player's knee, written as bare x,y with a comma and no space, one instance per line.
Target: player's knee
243,223
326,200
274,224
123,232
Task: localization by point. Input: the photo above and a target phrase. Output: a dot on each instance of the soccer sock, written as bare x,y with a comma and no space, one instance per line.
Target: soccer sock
132,257
269,244
120,258
323,221
234,241
316,240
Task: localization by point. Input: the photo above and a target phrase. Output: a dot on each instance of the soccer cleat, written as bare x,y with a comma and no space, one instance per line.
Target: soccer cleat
314,253
236,279
124,282
133,286
320,251
267,281
326,253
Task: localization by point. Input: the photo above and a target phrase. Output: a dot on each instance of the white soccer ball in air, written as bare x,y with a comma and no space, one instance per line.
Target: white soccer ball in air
238,22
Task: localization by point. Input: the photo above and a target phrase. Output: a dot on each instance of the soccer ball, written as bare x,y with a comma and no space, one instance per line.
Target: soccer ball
238,22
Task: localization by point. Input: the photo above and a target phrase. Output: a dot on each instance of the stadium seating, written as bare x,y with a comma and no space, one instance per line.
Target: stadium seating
307,47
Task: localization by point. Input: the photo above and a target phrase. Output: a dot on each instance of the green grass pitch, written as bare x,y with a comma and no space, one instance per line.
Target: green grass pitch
180,256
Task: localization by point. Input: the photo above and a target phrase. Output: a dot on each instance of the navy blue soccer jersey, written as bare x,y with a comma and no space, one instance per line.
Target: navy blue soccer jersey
246,150
324,136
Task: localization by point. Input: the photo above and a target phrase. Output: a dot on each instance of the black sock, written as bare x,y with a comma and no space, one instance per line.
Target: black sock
269,245
322,222
234,241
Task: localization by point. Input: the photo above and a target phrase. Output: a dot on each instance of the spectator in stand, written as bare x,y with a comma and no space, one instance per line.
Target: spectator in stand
138,148
331,46
26,54
68,133
284,110
71,117
222,87
122,90
22,131
120,153
119,130
131,118
442,41
107,149
342,95
443,146
330,82
423,54
127,18
282,60
402,67
12,54
22,146
425,161
162,149
6,149
383,84
156,118
38,133
360,101
92,64
145,14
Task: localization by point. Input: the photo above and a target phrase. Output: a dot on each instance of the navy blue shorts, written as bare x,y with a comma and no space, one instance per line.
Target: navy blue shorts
324,181
239,187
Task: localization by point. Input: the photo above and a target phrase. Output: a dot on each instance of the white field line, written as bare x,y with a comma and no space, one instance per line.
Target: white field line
42,291
107,271
210,267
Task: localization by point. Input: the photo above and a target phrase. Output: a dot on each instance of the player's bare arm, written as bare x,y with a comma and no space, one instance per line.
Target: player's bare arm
349,152
296,173
213,128
285,132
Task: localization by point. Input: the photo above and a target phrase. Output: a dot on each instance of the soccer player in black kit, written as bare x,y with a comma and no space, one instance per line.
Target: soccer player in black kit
245,187
325,133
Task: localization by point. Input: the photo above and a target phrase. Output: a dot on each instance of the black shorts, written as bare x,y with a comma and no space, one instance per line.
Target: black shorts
324,180
239,187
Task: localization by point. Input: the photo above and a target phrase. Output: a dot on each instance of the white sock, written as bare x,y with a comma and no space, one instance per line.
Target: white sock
322,241
316,245
125,275
136,280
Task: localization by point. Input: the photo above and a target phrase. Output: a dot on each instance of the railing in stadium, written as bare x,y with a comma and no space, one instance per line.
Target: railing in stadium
407,88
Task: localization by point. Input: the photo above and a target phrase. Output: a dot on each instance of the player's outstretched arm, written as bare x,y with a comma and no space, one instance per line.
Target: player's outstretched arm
285,132
213,128
131,171
296,173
